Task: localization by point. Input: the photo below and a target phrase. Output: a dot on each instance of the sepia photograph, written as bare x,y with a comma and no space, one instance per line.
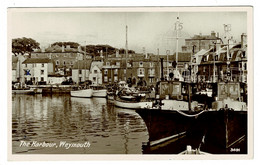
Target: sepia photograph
148,81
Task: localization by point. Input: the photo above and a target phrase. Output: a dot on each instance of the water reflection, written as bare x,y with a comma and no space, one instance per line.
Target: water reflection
56,118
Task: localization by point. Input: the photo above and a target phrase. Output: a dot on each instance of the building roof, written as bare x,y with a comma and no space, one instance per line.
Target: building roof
203,37
37,60
99,64
83,64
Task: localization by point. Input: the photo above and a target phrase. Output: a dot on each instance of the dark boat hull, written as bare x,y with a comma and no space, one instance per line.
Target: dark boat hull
216,132
224,131
165,123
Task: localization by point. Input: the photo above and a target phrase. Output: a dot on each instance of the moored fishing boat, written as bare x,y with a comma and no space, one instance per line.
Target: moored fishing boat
23,91
82,93
171,114
225,125
131,104
98,91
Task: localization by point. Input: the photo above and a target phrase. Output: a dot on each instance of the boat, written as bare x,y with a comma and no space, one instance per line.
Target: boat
23,91
98,91
82,93
172,113
19,88
37,90
228,117
130,98
131,104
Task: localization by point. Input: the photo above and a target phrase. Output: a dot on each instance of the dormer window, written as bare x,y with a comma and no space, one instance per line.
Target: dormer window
141,64
216,57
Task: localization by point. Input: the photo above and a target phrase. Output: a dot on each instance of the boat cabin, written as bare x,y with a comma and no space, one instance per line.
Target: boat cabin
175,90
231,90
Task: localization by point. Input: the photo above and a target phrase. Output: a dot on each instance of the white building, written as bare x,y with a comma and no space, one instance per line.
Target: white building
17,71
95,74
37,70
80,71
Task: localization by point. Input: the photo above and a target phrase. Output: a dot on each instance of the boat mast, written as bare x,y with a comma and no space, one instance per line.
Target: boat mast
178,27
126,55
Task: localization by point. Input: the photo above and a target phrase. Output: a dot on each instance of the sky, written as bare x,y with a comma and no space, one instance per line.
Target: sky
149,30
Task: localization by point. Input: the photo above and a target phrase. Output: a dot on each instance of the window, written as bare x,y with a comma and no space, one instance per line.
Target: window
71,62
151,80
245,67
216,57
64,62
117,63
94,78
115,79
95,71
116,71
151,71
80,71
204,68
107,63
240,66
105,71
141,71
42,78
141,64
42,65
57,62
124,71
79,79
105,78
151,64
42,72
25,65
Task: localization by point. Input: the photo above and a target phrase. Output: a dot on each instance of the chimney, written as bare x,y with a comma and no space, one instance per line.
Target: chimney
101,53
62,48
243,40
79,49
213,34
184,48
117,53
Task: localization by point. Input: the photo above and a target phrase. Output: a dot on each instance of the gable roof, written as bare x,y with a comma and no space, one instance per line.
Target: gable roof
37,60
97,63
83,64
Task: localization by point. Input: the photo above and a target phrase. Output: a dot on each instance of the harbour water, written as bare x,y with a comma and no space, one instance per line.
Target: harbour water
94,124
61,118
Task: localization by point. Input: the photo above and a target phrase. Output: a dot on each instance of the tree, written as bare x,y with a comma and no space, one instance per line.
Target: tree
71,44
24,45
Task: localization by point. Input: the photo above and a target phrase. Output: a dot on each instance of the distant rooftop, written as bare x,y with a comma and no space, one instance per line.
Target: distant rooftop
37,60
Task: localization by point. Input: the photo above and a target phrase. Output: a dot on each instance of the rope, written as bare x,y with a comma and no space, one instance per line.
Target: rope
182,113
